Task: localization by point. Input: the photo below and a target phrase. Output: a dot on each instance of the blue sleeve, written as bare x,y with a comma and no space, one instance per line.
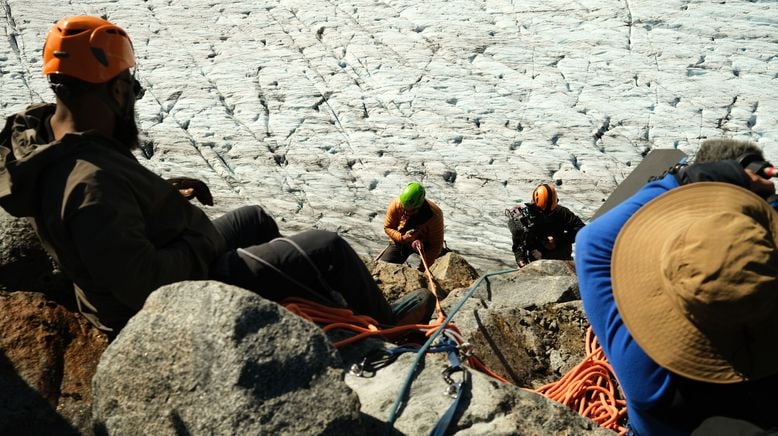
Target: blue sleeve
642,381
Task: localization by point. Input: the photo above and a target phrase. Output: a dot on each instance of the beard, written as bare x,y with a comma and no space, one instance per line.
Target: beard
126,129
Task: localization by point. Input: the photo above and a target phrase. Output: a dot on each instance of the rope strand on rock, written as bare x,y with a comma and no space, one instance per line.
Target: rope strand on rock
432,287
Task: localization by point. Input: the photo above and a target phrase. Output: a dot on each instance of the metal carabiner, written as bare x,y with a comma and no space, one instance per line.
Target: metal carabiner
453,387
371,362
465,350
359,369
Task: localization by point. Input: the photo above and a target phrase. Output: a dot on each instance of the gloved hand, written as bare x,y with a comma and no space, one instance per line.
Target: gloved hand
759,185
417,245
409,236
193,188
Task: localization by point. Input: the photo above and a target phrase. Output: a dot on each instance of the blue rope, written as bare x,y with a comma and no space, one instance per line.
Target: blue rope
455,389
423,350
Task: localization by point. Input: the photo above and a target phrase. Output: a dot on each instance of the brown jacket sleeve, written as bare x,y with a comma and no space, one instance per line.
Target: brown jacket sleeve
431,234
393,220
109,233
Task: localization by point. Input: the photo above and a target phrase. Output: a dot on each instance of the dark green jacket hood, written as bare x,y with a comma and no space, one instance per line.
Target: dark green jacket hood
25,152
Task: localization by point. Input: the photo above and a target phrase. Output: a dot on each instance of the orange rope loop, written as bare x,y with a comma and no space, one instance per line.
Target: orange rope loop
330,318
590,389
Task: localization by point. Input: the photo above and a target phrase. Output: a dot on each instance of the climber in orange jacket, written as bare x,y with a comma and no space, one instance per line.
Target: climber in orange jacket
412,222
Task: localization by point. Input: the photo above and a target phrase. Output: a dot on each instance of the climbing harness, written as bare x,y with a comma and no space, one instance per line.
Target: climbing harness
373,361
455,375
335,318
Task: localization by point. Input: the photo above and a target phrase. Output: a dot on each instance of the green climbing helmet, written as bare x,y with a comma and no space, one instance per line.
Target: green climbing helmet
412,196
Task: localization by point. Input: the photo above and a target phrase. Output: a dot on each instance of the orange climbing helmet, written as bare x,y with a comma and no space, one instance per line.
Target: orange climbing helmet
87,48
544,197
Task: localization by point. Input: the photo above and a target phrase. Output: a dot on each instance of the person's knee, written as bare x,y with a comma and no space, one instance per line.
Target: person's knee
323,241
260,220
258,212
323,237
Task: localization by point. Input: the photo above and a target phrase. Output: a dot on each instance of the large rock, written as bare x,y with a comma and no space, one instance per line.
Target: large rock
48,356
531,348
25,265
396,280
205,358
451,271
517,325
540,283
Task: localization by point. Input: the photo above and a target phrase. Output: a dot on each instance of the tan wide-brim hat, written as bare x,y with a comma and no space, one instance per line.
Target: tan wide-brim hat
695,278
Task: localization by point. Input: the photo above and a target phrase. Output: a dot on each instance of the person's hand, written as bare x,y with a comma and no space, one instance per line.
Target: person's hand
536,254
759,185
523,263
549,243
193,188
409,236
417,245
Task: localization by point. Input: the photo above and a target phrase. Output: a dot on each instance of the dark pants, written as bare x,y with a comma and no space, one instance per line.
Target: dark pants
275,269
397,253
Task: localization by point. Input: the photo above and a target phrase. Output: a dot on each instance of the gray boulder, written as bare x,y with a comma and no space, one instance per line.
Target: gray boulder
25,265
530,348
451,271
209,358
396,280
550,281
540,283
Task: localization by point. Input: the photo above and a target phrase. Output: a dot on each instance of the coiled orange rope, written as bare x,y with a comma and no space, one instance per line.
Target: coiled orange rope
591,389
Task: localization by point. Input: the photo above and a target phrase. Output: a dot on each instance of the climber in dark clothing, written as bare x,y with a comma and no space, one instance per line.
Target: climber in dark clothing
542,229
119,231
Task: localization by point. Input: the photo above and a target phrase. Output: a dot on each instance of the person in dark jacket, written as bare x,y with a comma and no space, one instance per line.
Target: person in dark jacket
542,229
120,231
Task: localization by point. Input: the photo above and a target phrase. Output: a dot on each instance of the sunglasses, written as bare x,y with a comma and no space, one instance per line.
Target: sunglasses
137,89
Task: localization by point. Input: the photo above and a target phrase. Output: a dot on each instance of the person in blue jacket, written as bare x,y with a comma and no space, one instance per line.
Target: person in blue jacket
661,398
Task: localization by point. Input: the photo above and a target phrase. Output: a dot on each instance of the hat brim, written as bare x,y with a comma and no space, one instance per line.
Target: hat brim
654,319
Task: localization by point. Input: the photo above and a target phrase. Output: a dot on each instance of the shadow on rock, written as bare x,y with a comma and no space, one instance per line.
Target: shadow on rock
23,411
